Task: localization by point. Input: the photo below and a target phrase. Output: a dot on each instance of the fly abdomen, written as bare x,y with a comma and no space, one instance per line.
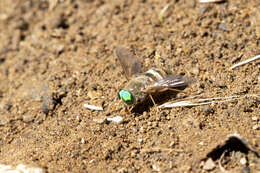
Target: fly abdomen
155,74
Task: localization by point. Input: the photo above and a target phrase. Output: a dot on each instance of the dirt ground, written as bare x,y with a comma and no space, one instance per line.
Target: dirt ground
57,55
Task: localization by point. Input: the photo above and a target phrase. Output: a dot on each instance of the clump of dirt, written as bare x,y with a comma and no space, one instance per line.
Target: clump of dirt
56,56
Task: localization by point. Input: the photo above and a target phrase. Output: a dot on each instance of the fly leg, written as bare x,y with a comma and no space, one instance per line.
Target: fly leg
173,89
151,97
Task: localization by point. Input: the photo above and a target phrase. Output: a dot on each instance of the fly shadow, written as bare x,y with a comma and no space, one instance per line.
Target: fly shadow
159,98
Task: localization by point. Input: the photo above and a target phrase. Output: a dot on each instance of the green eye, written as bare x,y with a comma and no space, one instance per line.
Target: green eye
126,96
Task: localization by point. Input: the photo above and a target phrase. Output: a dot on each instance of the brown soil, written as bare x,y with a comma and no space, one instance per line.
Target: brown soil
57,55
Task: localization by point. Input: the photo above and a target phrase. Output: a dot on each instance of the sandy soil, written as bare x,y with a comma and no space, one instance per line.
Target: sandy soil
57,55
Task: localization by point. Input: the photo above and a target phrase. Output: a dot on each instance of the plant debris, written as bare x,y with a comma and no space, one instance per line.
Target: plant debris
245,62
204,101
92,107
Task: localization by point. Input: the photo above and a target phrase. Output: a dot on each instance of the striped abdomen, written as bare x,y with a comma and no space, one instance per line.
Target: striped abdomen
156,74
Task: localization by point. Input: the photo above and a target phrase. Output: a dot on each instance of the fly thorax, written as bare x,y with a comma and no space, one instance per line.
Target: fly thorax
136,86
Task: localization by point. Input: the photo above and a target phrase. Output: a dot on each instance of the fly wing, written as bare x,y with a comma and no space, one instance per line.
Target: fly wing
169,82
129,62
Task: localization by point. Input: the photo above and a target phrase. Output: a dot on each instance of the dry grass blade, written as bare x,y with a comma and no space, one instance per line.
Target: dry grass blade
162,12
205,101
158,149
245,62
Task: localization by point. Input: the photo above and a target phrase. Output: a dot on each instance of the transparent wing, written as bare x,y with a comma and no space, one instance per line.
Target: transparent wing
129,62
170,82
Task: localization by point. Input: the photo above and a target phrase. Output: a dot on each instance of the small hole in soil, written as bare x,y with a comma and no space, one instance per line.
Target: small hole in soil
63,24
22,37
43,27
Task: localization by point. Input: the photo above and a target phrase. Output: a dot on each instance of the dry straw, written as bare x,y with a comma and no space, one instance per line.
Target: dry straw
162,12
203,101
245,62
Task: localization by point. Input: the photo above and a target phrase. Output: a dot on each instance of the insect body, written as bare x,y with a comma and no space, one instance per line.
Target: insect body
140,85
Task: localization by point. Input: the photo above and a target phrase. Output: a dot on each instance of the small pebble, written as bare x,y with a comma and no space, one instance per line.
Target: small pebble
78,117
91,161
172,144
92,107
256,127
207,109
4,120
116,119
28,118
209,165
195,70
7,107
156,168
222,26
243,161
91,95
82,141
255,118
140,140
59,48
